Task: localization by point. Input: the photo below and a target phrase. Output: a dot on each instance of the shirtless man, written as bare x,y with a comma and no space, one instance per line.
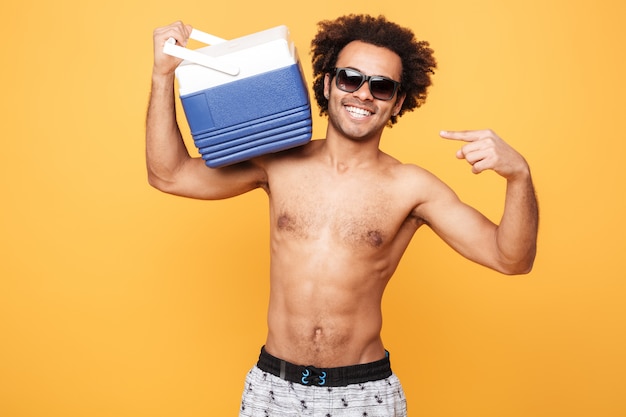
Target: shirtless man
342,213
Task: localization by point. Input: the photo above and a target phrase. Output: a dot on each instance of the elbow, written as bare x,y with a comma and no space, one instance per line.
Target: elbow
519,267
159,181
155,182
517,270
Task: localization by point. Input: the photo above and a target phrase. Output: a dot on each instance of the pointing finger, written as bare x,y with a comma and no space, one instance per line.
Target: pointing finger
465,135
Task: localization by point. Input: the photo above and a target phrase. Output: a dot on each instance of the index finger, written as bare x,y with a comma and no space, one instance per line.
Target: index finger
464,135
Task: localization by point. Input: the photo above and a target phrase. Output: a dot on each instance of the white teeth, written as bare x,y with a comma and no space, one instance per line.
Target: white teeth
357,112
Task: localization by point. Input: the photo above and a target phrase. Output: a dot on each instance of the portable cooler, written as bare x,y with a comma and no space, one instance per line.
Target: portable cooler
243,97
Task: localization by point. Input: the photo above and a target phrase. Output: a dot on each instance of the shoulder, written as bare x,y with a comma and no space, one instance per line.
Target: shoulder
295,153
423,189
290,159
413,175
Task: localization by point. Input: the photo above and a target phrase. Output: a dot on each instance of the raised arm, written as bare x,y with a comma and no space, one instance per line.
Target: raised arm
170,167
509,247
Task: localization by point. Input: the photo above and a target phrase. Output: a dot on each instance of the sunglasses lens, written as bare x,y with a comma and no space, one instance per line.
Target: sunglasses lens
349,81
382,89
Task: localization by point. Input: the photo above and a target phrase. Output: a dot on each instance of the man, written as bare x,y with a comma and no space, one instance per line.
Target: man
342,213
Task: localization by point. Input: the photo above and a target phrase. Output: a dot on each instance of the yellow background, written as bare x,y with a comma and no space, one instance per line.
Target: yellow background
118,300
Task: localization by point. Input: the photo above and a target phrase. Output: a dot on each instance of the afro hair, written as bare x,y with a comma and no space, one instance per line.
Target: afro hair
418,62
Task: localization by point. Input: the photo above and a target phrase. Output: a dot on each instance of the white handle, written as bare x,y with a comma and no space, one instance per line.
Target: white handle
204,37
178,51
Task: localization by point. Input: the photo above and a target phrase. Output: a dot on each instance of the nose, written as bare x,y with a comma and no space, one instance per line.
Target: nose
364,93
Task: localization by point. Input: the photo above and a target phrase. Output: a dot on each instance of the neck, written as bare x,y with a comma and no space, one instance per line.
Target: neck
343,153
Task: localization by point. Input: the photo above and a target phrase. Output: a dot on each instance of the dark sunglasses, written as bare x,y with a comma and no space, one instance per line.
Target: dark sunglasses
350,80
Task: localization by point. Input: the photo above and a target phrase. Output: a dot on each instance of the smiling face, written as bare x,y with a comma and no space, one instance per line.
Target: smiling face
358,115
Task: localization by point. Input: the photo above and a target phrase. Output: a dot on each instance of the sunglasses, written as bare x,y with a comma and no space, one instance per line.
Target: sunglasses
350,80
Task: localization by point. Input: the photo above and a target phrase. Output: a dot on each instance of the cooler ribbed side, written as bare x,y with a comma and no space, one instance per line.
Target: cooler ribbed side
253,116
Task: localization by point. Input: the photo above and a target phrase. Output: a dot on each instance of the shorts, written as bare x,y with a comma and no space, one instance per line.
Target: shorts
326,392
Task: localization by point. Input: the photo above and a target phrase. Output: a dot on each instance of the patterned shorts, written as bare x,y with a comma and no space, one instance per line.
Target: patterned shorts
268,395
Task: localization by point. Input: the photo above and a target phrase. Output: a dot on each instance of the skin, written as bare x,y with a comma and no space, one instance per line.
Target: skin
342,212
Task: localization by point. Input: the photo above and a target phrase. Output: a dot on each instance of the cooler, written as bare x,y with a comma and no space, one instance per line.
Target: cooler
244,97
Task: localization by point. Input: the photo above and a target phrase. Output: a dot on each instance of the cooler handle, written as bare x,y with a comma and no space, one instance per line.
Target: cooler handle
178,51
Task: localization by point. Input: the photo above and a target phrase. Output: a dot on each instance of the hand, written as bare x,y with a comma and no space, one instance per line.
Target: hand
486,150
165,64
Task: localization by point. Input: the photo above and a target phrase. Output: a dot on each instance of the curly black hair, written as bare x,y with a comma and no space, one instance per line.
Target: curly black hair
418,62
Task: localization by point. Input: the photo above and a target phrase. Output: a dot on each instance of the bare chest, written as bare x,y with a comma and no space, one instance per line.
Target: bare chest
353,212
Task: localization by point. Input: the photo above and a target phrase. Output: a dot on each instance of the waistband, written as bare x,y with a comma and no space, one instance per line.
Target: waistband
325,377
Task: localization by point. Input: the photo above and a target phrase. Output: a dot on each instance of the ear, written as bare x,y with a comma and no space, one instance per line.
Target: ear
398,105
327,86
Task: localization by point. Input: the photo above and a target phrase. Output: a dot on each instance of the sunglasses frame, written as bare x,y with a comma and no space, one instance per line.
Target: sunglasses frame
368,79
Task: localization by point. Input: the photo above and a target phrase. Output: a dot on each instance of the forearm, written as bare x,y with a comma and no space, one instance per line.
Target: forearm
165,149
517,233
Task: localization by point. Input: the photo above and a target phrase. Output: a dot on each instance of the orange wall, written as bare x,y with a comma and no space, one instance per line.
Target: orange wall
117,300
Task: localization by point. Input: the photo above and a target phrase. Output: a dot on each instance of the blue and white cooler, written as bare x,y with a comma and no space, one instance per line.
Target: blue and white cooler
244,97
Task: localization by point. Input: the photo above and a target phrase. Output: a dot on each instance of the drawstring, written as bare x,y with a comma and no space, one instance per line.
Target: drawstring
313,375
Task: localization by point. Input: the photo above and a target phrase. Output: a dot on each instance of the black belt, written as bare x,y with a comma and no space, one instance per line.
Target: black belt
325,377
